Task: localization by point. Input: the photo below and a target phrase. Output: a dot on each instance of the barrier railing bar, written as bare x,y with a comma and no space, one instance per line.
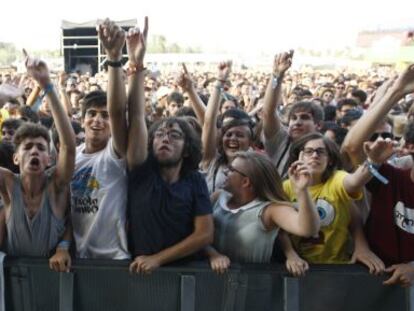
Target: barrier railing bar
66,291
188,284
291,294
243,280
24,285
231,291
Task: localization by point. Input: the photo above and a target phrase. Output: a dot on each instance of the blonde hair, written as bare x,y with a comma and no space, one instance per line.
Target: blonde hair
264,176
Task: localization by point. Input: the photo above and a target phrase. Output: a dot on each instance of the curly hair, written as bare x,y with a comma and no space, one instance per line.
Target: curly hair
30,130
192,142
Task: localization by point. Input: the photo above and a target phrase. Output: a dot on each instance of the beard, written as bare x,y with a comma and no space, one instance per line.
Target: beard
169,163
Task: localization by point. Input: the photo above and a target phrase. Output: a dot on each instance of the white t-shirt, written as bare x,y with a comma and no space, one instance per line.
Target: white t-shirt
98,204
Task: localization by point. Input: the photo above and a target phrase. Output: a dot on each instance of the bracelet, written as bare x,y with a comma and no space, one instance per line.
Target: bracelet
114,64
47,89
373,169
64,244
221,89
133,69
275,81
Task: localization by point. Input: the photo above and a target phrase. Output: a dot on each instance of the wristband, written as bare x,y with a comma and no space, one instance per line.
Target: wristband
47,89
133,69
275,81
226,97
115,64
64,244
219,87
373,169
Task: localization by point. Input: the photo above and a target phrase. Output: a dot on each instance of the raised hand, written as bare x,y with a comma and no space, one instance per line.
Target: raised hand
380,92
137,44
37,69
380,150
299,174
282,62
405,81
113,38
62,79
184,80
224,70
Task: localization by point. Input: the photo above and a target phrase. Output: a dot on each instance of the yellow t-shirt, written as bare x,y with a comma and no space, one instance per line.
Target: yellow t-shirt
332,202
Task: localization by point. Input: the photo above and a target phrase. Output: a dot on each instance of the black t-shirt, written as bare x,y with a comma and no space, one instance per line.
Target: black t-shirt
161,214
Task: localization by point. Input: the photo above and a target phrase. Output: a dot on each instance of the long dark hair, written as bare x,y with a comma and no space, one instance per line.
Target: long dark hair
192,143
334,156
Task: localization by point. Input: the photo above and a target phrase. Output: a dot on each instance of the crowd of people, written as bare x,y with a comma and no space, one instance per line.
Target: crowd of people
249,167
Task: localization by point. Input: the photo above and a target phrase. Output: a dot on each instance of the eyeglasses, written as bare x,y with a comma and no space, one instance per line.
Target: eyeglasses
172,134
384,135
232,169
321,152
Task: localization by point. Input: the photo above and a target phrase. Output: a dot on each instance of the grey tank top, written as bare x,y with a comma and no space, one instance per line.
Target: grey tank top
36,236
240,234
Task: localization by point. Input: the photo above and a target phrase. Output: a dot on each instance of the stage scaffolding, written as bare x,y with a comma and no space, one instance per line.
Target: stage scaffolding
82,49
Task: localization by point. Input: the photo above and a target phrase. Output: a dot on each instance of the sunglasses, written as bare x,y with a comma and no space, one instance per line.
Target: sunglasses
384,135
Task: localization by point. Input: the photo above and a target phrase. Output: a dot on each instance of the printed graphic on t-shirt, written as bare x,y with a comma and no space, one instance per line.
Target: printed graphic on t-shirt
83,186
327,215
404,217
326,212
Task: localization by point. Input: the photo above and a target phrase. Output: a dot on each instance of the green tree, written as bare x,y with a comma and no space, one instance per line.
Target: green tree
159,44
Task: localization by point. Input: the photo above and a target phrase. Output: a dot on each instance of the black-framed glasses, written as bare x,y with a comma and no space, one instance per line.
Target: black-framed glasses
384,135
232,169
321,152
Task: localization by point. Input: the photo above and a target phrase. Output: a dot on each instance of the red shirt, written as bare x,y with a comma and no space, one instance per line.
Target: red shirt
390,225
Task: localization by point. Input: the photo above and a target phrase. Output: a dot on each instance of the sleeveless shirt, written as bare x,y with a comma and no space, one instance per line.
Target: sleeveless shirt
36,236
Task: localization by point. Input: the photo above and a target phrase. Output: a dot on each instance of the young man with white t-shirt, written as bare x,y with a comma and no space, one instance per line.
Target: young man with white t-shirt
99,183
98,188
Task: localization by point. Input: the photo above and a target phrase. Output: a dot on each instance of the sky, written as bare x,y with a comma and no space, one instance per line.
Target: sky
253,27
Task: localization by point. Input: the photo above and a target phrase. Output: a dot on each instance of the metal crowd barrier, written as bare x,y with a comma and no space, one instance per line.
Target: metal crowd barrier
108,286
